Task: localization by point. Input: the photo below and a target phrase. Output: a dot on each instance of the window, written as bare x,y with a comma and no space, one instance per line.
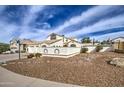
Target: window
72,45
43,45
53,36
31,46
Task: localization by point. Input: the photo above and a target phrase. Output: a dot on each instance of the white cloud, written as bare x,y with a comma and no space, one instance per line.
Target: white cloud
86,16
30,16
109,36
50,16
104,24
7,30
38,35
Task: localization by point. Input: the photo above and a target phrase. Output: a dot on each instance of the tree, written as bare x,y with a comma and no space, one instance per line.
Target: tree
106,42
4,47
86,40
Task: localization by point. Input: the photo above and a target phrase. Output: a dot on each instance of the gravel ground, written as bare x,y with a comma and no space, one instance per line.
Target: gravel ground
84,69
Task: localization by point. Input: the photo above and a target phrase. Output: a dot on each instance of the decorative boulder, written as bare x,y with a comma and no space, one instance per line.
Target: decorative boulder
118,62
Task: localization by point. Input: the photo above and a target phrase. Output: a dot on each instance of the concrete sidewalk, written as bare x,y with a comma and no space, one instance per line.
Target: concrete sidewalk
11,79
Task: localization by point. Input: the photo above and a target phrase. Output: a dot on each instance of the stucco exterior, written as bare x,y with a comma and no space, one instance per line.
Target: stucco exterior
118,44
54,51
55,46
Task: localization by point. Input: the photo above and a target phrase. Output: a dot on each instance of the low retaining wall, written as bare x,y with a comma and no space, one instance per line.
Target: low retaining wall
91,49
55,51
106,49
63,51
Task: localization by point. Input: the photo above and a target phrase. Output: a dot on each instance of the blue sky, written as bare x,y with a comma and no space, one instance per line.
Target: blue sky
37,22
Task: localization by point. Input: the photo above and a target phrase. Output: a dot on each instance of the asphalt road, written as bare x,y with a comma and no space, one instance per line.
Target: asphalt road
8,57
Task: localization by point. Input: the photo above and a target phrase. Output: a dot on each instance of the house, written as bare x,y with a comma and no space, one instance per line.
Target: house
14,45
55,40
118,44
56,45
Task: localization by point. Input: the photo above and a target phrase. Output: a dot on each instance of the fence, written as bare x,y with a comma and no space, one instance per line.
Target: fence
63,51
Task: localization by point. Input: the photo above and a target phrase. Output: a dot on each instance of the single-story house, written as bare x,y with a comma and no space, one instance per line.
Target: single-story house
14,45
118,44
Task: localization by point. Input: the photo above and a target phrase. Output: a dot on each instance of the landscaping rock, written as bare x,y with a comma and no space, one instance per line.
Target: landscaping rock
83,69
118,62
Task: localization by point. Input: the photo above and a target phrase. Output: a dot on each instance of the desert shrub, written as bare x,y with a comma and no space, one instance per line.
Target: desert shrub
30,56
16,51
23,51
98,48
84,50
38,55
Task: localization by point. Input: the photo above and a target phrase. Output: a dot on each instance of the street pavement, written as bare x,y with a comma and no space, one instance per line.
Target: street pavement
8,57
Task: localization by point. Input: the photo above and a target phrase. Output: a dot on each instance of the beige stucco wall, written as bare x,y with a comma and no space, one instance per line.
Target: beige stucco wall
118,46
51,50
57,44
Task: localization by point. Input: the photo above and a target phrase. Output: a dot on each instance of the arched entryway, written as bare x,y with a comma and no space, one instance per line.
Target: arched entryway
45,51
56,51
44,46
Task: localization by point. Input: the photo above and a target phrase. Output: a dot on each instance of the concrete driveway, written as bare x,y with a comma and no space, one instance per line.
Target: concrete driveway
11,79
8,57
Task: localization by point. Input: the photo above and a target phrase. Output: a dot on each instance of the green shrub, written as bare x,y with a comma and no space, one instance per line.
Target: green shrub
23,51
30,56
98,48
4,47
38,55
84,50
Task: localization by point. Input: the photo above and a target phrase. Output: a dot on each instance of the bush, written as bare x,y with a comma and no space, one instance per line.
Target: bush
30,56
23,51
38,55
98,48
4,47
84,50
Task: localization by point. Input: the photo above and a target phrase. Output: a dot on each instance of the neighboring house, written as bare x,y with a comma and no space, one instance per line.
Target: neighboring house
14,45
118,44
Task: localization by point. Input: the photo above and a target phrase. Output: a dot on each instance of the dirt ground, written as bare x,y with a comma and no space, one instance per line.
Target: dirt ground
84,69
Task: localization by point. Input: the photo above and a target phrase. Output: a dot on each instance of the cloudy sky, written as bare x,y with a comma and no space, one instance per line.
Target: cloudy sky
37,22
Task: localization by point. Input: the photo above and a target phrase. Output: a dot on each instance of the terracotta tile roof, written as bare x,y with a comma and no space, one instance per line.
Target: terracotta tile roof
26,41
